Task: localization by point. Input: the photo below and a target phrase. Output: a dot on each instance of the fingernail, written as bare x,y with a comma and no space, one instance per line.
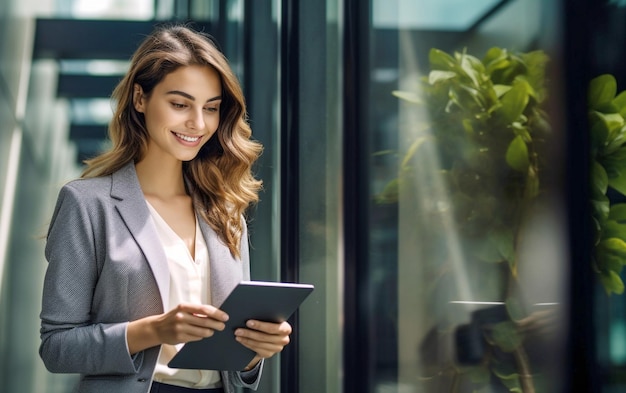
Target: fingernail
250,324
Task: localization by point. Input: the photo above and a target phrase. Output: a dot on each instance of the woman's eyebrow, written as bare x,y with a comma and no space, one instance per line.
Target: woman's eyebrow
190,97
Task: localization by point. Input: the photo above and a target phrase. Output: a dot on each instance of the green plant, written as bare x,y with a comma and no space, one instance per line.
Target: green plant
486,120
607,111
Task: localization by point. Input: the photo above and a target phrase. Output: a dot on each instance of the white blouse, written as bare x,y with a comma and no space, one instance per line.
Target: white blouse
189,283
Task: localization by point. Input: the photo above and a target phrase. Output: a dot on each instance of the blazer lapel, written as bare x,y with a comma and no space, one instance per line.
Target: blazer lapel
225,271
132,207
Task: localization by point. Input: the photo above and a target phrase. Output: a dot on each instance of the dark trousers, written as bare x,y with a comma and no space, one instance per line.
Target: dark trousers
165,388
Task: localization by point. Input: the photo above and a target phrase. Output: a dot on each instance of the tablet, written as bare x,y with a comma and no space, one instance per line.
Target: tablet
261,300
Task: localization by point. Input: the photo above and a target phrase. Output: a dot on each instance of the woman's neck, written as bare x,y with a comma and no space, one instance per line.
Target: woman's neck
161,179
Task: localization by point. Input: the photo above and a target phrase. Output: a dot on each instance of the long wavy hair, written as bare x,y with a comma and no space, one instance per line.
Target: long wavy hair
219,178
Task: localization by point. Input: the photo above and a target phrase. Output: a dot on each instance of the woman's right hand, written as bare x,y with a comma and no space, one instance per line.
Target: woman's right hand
185,322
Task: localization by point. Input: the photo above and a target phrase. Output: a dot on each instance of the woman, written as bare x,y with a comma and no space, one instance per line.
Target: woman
152,235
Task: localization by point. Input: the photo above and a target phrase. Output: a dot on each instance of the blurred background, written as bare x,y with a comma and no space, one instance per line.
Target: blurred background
426,166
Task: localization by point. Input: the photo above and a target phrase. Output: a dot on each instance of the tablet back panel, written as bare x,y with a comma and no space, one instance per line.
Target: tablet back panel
261,300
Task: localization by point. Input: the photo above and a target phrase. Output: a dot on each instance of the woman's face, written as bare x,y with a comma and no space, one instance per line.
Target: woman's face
181,113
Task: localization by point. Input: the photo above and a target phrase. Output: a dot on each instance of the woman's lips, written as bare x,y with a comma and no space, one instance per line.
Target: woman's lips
186,138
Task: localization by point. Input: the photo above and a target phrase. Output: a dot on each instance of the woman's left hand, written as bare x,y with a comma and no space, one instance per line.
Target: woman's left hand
264,338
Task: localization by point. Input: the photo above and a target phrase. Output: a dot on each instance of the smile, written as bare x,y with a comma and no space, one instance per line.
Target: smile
187,138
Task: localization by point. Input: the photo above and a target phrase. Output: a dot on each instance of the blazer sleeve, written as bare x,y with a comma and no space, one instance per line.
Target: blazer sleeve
70,341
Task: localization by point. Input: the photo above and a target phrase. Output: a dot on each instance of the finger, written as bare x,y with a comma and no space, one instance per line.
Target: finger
195,333
279,339
262,349
282,328
183,318
203,310
184,332
207,322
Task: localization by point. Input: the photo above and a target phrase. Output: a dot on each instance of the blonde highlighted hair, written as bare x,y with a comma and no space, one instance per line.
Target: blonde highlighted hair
220,177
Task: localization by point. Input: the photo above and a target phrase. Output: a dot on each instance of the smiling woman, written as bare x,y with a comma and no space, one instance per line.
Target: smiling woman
145,247
181,113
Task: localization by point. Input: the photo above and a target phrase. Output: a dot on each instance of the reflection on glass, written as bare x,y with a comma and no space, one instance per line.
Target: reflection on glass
131,9
481,260
449,15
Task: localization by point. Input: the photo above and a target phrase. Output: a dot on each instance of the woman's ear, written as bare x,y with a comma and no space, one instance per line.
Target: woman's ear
138,98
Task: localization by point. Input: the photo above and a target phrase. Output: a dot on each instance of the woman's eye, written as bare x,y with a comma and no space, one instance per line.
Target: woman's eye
178,106
211,109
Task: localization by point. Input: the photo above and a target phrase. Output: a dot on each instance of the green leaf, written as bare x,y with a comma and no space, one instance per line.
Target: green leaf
523,82
411,97
535,72
501,89
506,336
494,55
620,103
599,180
612,122
608,262
508,375
513,103
618,213
600,209
440,60
515,309
390,193
614,163
413,149
475,95
614,229
602,89
522,131
607,107
472,68
453,95
615,166
599,132
612,282
618,182
517,155
615,246
616,142
512,383
436,76
505,243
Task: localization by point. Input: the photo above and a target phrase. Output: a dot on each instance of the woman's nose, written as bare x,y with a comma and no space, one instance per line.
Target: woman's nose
196,120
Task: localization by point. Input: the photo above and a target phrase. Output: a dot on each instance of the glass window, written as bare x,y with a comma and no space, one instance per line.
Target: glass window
319,210
463,287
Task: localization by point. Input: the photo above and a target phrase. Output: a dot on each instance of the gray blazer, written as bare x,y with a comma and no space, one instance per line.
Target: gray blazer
106,267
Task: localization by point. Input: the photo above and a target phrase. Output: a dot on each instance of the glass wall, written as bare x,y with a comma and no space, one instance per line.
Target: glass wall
463,283
319,209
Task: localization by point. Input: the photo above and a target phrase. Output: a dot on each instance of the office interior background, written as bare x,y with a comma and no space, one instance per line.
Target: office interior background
416,290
